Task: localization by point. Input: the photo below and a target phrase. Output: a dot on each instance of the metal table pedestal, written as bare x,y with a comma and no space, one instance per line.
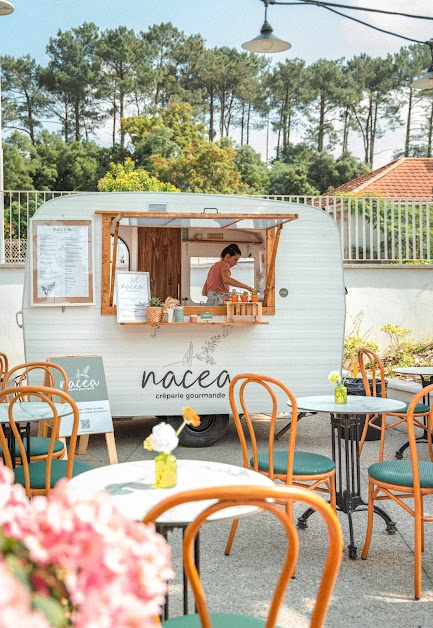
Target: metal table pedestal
345,453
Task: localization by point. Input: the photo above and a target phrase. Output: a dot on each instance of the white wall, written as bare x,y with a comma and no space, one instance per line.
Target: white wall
11,289
400,294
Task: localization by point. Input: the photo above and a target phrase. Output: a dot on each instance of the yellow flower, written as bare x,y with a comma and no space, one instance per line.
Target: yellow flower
354,370
190,417
147,445
334,377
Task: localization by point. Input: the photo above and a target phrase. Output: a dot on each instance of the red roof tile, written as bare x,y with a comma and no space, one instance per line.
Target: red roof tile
407,177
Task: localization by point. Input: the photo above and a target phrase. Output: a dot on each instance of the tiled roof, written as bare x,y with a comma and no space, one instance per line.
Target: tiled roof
407,177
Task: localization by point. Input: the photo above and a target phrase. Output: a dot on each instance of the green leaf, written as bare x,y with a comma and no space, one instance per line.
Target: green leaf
52,609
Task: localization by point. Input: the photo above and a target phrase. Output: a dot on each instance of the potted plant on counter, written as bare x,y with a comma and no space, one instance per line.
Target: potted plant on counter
254,296
154,310
244,296
234,296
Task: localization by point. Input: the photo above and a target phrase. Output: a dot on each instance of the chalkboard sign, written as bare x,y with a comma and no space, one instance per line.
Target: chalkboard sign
88,388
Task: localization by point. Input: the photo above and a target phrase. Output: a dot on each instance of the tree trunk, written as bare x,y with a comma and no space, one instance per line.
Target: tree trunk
248,121
77,120
373,132
211,114
242,122
121,116
408,124
430,131
321,134
222,113
345,132
114,120
289,129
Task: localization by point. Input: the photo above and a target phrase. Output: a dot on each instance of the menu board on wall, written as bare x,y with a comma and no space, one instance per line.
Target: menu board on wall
88,388
62,262
132,295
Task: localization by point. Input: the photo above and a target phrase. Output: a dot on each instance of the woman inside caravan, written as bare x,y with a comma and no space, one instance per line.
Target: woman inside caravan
219,280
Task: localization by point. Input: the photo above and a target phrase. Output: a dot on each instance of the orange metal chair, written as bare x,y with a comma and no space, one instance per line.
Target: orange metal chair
39,476
267,499
368,357
44,371
4,366
310,470
399,480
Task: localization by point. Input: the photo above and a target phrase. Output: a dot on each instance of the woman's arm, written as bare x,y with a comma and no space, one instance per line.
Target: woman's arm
225,274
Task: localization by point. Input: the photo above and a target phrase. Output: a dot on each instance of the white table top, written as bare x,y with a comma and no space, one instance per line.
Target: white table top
32,411
355,404
131,486
415,370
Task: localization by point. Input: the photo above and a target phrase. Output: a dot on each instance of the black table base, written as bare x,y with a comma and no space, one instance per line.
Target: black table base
345,453
164,529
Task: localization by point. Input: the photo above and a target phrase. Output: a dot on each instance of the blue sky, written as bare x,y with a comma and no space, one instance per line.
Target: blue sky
314,32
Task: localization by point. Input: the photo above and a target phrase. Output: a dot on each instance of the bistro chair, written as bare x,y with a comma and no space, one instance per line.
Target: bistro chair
45,372
267,499
4,366
399,480
310,470
366,357
39,476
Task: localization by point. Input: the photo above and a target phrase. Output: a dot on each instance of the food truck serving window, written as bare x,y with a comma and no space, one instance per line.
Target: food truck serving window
158,237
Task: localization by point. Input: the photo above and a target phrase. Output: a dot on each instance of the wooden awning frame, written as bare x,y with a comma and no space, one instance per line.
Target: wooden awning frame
273,232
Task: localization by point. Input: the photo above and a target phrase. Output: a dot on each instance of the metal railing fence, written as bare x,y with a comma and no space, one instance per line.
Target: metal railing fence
17,207
372,229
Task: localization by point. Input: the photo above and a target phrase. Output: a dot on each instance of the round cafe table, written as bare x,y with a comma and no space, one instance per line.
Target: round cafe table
26,412
345,420
130,485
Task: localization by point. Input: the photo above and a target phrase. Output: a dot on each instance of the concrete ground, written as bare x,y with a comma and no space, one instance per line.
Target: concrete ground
375,592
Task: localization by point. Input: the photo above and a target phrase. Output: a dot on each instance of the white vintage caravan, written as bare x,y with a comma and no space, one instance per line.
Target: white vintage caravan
290,254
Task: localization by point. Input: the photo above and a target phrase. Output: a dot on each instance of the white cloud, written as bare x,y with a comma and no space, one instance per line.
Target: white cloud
376,43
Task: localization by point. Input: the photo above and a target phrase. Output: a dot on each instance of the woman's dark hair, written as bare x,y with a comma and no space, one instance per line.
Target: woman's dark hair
231,249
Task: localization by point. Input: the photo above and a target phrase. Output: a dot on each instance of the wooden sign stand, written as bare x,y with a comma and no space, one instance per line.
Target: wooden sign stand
76,363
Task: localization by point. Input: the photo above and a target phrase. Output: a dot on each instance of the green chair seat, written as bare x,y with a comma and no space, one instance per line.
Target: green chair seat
420,408
305,463
58,471
219,620
38,446
399,472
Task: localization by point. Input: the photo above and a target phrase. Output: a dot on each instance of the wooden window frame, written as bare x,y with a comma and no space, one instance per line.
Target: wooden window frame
108,270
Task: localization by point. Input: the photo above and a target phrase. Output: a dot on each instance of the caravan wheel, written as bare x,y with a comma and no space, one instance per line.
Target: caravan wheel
211,429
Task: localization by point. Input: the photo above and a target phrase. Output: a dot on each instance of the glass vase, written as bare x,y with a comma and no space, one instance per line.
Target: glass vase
165,471
340,394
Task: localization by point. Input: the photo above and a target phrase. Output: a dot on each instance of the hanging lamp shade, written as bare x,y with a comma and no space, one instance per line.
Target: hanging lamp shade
266,41
426,80
6,7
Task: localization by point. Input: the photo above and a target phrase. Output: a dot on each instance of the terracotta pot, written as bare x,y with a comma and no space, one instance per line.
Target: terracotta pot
234,298
154,314
244,298
255,298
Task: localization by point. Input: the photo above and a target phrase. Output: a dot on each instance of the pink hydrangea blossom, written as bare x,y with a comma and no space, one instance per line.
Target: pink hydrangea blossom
15,603
115,570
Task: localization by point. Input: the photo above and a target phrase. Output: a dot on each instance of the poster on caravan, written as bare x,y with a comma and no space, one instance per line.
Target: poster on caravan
62,262
132,295
88,388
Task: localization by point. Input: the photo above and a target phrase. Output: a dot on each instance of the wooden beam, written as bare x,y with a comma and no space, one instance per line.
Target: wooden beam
105,265
113,261
272,241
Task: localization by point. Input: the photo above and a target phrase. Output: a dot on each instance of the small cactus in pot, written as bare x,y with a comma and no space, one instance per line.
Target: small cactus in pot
154,310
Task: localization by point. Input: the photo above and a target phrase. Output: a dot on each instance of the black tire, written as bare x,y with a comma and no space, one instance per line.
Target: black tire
212,428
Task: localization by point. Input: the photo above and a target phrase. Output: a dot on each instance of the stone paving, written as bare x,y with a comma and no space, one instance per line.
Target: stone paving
375,592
